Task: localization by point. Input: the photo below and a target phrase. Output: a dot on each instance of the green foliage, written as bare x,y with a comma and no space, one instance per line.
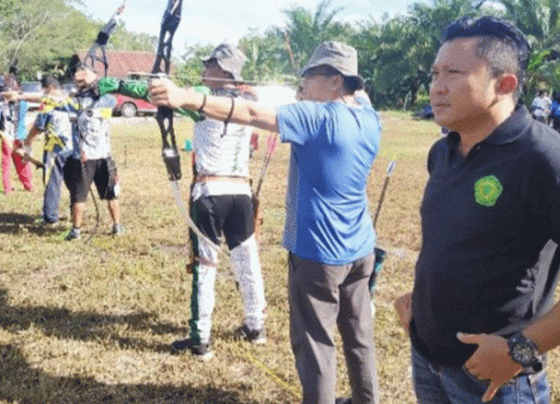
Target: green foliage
395,54
37,33
268,58
306,30
191,69
540,21
543,73
277,55
408,45
42,35
403,44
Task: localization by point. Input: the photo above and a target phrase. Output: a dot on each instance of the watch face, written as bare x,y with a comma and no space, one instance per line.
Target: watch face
523,354
523,351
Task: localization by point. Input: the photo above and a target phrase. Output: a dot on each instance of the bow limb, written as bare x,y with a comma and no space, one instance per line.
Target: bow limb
162,65
390,170
164,116
97,51
271,144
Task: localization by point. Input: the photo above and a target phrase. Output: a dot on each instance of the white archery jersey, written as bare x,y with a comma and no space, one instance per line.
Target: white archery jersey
219,154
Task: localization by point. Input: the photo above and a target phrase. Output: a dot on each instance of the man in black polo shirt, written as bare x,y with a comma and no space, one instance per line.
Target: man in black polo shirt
479,315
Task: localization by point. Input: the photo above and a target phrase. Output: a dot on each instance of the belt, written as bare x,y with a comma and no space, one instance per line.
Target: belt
222,178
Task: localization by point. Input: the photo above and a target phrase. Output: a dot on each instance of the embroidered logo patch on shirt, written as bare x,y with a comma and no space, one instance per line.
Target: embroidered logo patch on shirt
487,190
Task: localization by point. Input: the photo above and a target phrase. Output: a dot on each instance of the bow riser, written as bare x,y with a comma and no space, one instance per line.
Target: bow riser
162,64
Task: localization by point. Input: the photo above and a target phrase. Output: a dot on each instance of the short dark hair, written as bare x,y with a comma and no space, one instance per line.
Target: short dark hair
352,84
49,81
502,44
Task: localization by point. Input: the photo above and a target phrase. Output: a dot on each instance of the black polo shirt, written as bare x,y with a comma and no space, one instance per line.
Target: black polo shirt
486,218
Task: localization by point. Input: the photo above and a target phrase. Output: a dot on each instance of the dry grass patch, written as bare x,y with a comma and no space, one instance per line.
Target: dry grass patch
91,322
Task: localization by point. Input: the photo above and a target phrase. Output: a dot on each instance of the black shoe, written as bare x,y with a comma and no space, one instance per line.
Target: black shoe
200,351
73,234
117,230
341,400
256,337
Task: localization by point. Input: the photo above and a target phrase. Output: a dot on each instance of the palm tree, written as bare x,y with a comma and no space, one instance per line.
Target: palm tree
397,54
267,57
540,21
306,30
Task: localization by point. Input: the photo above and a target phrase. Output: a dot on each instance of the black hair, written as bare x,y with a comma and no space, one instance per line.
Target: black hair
502,44
352,84
49,81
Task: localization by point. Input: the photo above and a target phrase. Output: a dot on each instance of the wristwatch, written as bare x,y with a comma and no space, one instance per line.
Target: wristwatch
524,351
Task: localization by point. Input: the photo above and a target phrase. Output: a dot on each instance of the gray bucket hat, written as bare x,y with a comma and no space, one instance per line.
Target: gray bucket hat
339,56
229,58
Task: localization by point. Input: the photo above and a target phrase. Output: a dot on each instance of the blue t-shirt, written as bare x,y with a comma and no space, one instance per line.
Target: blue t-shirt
333,148
555,108
21,130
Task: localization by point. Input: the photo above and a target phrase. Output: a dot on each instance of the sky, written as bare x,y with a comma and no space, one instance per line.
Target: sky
219,21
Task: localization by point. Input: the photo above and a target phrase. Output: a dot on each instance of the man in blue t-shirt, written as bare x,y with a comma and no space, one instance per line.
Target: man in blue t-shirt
555,112
334,135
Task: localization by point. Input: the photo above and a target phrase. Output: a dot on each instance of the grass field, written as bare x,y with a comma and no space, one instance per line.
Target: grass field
91,321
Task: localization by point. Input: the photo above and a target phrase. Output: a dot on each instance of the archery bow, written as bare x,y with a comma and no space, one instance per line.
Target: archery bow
32,160
390,170
271,143
97,52
379,253
164,116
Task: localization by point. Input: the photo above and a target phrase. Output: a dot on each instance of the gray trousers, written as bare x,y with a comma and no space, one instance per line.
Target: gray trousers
322,296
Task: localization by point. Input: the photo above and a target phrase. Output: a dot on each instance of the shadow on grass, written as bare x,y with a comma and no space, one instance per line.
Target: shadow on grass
61,323
12,223
20,383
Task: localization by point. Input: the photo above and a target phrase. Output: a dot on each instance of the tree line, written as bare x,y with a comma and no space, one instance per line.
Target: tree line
40,36
395,53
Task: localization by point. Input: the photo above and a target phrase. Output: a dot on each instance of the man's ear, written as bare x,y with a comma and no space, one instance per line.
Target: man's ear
337,82
507,84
